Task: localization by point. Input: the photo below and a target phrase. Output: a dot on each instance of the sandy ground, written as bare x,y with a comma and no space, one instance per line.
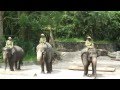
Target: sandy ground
60,69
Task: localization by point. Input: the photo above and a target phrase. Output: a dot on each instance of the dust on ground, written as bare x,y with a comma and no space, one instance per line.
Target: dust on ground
60,69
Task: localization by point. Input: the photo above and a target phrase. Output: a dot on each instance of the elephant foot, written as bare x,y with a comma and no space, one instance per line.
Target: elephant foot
42,72
18,69
15,68
12,69
48,72
85,75
94,75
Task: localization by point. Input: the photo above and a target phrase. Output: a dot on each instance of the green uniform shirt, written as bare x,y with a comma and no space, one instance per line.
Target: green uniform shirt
9,44
89,44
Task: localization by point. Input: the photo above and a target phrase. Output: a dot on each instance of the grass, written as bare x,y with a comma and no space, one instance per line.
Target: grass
103,42
29,57
70,39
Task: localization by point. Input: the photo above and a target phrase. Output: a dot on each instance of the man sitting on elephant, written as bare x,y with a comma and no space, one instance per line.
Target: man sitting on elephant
9,43
88,45
89,55
42,39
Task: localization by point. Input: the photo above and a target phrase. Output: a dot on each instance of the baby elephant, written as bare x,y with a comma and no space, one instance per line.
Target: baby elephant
87,58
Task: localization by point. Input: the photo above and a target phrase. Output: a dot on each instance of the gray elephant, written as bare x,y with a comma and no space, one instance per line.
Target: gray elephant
12,56
90,57
45,55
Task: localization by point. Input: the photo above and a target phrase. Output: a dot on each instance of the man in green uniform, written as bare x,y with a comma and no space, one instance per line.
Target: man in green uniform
9,43
88,45
42,39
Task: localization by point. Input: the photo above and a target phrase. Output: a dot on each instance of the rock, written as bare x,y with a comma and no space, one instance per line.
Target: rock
35,74
112,55
103,52
118,55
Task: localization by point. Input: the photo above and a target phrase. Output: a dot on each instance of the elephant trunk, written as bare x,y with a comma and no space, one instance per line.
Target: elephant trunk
39,55
41,60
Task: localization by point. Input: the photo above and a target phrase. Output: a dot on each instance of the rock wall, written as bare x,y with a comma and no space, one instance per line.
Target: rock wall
72,47
69,46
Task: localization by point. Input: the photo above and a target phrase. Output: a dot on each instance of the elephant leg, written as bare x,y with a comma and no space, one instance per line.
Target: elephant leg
42,67
86,65
94,63
48,67
86,69
5,64
85,62
19,65
11,65
16,65
51,66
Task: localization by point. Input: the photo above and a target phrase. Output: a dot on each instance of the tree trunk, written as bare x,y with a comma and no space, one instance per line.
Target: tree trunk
57,55
52,39
1,25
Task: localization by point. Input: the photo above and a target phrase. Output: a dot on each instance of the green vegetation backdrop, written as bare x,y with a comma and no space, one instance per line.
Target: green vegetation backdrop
26,26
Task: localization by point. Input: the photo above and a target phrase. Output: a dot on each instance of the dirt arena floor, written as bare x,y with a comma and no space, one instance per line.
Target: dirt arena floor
61,71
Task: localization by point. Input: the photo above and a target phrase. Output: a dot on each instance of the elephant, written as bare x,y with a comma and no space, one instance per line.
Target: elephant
13,56
45,55
90,57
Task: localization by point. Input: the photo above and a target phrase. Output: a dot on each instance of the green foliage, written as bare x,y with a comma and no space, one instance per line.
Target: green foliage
69,40
26,26
2,44
101,25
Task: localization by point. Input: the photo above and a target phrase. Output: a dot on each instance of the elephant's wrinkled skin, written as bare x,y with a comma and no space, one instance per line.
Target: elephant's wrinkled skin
45,55
12,56
87,58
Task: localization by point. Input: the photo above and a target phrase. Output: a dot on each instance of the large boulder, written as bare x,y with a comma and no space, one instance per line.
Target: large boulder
112,54
115,55
102,52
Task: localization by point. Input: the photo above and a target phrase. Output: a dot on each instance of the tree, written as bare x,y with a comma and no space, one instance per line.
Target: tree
1,24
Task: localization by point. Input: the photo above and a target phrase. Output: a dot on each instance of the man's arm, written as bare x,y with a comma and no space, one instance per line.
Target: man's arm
12,44
6,43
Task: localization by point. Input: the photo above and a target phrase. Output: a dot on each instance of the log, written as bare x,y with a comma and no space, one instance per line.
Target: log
102,69
115,59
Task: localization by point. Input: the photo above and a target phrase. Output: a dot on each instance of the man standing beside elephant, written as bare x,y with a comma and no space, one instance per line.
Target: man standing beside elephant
9,43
